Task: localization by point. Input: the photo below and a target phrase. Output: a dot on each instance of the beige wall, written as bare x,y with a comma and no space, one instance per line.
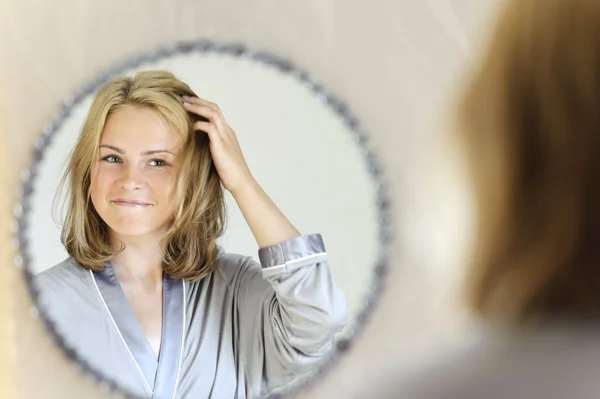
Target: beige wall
7,276
393,61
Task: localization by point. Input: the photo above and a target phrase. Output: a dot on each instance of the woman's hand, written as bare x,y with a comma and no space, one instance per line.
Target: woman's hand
268,225
224,147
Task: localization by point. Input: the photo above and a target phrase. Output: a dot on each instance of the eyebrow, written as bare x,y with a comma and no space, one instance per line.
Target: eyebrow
122,152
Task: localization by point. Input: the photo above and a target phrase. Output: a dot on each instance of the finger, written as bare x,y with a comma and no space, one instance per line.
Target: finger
208,113
207,128
199,101
224,128
202,110
206,103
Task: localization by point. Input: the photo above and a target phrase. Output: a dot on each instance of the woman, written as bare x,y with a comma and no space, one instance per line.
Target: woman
147,298
530,122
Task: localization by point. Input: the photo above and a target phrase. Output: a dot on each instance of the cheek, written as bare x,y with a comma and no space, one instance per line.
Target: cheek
171,190
164,185
101,182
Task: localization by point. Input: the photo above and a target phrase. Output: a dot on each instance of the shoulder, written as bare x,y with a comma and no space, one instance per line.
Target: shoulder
66,294
65,276
67,267
228,273
231,265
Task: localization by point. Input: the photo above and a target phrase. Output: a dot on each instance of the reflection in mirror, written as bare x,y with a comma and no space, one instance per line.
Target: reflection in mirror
163,266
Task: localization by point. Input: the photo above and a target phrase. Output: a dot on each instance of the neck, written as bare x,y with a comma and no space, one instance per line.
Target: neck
140,262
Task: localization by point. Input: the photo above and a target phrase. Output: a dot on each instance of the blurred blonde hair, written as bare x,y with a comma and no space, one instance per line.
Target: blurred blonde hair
530,121
190,248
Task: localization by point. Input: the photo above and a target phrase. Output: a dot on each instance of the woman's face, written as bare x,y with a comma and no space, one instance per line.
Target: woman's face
135,176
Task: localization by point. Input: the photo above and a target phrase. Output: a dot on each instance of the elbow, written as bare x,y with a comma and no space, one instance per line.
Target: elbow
332,318
338,317
335,319
320,337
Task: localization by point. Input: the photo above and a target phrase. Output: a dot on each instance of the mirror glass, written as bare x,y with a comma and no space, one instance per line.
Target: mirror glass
303,146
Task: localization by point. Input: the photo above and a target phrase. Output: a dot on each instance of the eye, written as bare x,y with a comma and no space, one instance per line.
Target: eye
112,159
158,163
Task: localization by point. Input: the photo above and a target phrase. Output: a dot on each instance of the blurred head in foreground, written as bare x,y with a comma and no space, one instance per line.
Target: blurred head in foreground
530,121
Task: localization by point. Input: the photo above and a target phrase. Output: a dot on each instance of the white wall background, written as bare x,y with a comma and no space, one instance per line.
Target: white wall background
396,62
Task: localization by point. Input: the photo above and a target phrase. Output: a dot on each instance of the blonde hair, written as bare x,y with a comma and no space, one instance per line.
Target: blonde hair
190,249
531,126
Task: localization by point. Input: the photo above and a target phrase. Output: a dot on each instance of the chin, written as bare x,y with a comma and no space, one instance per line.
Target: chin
136,229
131,231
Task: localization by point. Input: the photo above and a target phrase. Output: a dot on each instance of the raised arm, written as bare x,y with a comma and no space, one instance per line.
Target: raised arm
287,311
288,307
268,225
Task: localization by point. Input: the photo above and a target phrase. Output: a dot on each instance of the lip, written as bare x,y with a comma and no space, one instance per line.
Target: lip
130,203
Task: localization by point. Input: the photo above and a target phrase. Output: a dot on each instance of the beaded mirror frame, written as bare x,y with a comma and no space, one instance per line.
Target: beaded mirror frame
359,136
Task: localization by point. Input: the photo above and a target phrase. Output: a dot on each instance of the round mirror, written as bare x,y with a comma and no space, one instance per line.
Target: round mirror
303,146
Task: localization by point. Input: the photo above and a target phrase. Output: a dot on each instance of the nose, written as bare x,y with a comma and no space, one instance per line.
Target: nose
131,178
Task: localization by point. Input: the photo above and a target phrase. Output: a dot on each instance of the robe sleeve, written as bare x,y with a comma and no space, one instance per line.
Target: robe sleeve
288,309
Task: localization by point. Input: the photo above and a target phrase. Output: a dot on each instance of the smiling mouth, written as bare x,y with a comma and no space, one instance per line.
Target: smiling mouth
131,204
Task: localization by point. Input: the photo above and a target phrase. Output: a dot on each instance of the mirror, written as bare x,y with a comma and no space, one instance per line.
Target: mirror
303,146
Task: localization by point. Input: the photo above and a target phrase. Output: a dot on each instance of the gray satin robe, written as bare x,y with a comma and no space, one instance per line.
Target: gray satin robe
242,331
